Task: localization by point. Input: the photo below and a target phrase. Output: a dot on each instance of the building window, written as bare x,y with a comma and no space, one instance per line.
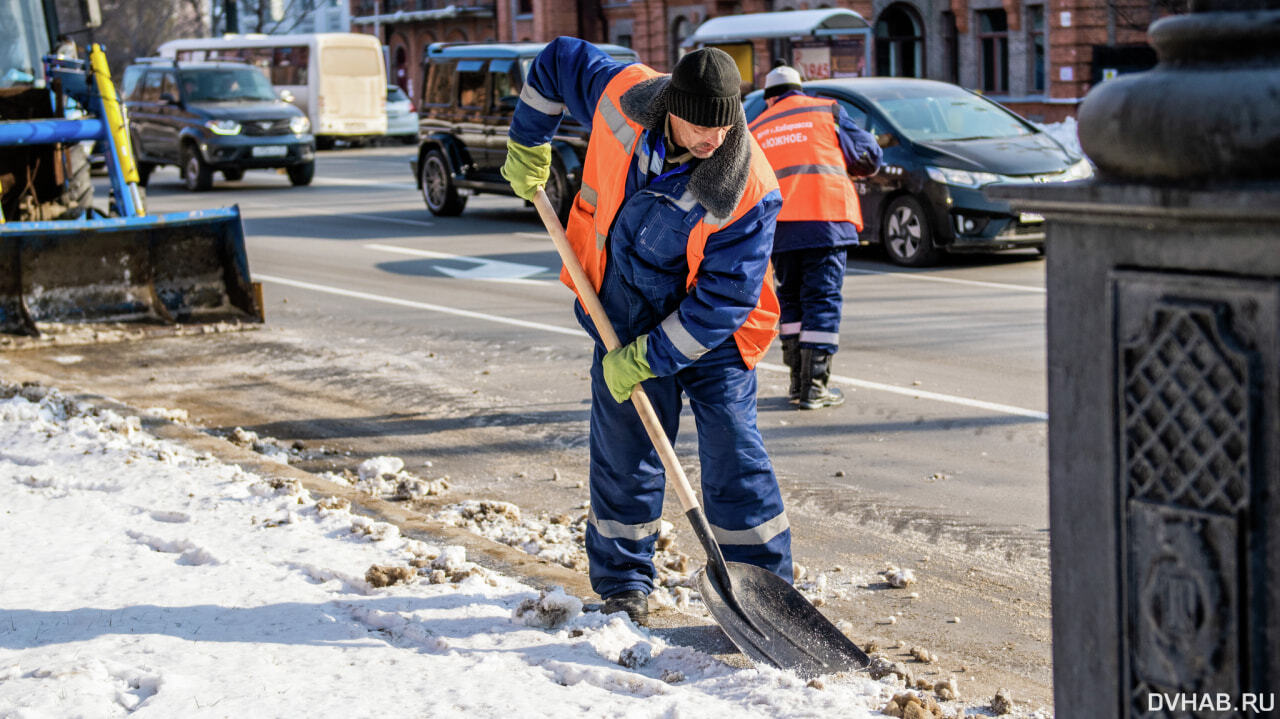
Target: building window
1035,48
680,29
900,42
950,47
524,7
623,40
993,38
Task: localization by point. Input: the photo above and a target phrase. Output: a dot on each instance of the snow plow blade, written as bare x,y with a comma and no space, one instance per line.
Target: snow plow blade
771,622
183,267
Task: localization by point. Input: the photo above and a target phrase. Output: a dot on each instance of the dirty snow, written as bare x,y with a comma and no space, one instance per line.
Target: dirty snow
144,578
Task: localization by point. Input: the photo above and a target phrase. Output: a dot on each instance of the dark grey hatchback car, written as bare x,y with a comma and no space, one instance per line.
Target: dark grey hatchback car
942,145
214,117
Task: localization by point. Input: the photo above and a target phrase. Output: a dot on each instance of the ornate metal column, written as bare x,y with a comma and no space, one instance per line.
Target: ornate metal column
1164,380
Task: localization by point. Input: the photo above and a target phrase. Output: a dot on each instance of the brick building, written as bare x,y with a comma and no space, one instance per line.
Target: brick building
1039,57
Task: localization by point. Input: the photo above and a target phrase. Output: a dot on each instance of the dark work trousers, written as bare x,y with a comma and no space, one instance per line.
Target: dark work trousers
809,291
739,490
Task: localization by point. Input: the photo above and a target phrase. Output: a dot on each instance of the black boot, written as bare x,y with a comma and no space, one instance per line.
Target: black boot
815,372
634,602
791,358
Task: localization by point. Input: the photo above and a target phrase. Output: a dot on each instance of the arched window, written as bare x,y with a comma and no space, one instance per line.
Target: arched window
900,42
680,29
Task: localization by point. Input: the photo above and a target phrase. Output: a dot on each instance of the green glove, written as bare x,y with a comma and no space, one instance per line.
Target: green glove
527,168
626,367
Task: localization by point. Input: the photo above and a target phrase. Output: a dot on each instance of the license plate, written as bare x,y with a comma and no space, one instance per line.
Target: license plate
1027,218
270,151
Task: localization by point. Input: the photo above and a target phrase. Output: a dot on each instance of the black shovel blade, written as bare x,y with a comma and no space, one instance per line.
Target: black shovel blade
773,623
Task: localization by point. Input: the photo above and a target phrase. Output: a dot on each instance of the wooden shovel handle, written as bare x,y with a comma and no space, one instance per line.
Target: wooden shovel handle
675,473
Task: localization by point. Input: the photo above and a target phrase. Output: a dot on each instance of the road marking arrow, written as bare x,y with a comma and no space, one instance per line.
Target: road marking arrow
485,269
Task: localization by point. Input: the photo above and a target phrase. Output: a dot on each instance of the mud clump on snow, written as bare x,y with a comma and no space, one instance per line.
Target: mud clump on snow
384,576
947,691
908,705
898,577
386,477
551,610
636,655
1001,703
881,667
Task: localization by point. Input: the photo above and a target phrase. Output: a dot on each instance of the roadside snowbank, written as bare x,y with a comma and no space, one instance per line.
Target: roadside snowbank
141,577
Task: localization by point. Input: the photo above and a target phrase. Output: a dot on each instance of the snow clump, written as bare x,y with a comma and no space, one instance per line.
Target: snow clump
551,610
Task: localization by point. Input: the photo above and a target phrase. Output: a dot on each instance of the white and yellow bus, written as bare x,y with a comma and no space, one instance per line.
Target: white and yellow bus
338,79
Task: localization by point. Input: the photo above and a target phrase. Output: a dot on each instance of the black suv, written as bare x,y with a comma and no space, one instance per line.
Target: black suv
469,92
215,116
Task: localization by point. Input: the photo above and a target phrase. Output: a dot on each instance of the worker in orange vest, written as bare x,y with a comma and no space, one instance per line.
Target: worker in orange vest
814,147
674,227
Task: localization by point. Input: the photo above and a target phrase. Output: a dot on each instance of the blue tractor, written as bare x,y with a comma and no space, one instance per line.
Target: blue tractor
62,260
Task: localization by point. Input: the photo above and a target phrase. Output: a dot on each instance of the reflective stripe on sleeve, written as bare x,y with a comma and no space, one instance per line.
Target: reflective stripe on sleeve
680,338
820,338
617,123
759,534
610,529
789,328
810,170
534,99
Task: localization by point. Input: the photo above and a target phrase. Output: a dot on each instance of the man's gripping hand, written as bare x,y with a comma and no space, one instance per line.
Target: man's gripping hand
527,168
626,367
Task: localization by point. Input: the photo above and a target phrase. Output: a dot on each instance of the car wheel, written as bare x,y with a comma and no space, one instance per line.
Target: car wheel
906,234
144,172
195,171
301,174
557,189
233,174
438,190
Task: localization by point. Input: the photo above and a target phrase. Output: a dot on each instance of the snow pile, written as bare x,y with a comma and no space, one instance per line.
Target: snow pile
140,575
385,477
549,611
560,538
1066,133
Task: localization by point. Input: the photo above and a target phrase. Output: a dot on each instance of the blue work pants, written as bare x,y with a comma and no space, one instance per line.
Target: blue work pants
810,286
739,490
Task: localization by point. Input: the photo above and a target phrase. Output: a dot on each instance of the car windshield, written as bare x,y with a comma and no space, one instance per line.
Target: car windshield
930,115
226,85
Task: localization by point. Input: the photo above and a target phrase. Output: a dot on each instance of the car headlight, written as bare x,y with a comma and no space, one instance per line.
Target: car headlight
963,178
223,127
300,125
1082,170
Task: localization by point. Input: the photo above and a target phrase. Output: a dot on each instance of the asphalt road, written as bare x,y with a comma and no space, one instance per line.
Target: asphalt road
451,341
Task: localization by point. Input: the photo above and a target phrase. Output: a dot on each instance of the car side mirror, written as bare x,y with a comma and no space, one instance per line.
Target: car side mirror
886,139
168,98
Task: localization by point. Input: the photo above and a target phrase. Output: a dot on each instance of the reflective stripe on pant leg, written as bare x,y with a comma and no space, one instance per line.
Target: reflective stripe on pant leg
821,298
787,268
627,484
739,490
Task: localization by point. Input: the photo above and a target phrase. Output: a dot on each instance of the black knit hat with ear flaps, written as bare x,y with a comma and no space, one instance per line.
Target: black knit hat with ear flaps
705,88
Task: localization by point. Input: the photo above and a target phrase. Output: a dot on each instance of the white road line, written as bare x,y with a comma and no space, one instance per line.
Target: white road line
576,332
953,280
340,213
419,223
921,394
350,181
865,384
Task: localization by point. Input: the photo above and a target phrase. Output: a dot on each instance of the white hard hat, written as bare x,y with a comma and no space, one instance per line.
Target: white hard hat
781,76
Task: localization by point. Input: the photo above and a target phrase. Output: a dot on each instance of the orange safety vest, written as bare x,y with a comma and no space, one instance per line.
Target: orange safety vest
614,138
801,137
